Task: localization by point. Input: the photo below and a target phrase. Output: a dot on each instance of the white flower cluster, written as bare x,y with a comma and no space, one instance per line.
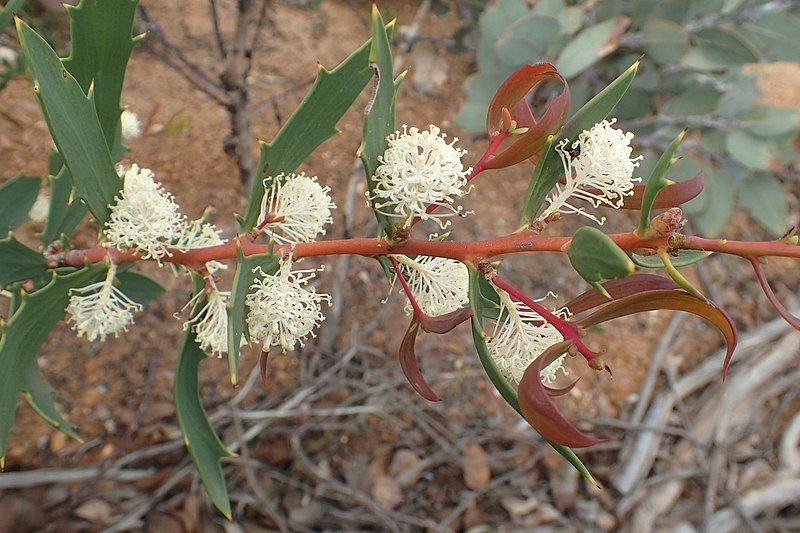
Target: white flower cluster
600,172
210,323
130,125
439,285
144,216
282,312
295,208
520,336
100,309
419,168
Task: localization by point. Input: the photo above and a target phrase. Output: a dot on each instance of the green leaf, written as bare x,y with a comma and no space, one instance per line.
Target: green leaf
590,114
17,196
657,182
379,121
26,332
696,100
63,214
684,258
101,46
713,207
311,124
765,198
236,305
500,16
506,390
765,121
8,10
665,41
38,392
754,152
777,35
719,48
597,258
204,445
73,123
18,262
590,45
139,287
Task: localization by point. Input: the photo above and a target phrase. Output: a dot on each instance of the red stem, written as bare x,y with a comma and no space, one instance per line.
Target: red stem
568,330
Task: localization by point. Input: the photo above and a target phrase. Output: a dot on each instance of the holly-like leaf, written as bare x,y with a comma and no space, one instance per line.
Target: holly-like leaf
379,121
139,287
17,196
25,334
597,258
538,408
38,392
73,123
676,300
477,304
594,111
18,262
312,123
8,10
242,280
204,445
410,364
64,214
100,34
657,182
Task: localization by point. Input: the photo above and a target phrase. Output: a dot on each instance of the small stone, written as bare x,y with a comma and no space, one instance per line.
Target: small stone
387,492
477,472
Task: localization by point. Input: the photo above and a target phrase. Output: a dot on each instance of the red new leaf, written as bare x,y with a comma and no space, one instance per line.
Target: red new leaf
511,97
670,196
771,298
445,323
539,410
676,300
410,364
619,288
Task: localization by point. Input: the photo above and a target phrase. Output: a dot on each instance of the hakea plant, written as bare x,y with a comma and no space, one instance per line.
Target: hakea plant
413,174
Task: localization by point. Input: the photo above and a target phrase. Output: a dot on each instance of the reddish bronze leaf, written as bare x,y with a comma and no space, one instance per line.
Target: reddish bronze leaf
539,410
445,323
511,96
262,363
555,393
619,288
410,364
771,297
670,196
676,300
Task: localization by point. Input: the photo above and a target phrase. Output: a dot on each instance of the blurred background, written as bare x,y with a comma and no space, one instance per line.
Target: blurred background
338,440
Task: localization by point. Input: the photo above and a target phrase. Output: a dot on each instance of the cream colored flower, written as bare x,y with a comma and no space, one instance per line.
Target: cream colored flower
130,125
439,285
520,336
282,312
603,163
210,323
295,208
144,216
100,309
419,169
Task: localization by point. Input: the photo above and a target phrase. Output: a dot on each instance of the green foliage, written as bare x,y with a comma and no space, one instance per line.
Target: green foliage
8,10
24,336
236,305
657,182
478,304
597,258
17,196
139,287
73,123
18,262
692,77
204,445
101,45
63,214
684,258
312,123
379,121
